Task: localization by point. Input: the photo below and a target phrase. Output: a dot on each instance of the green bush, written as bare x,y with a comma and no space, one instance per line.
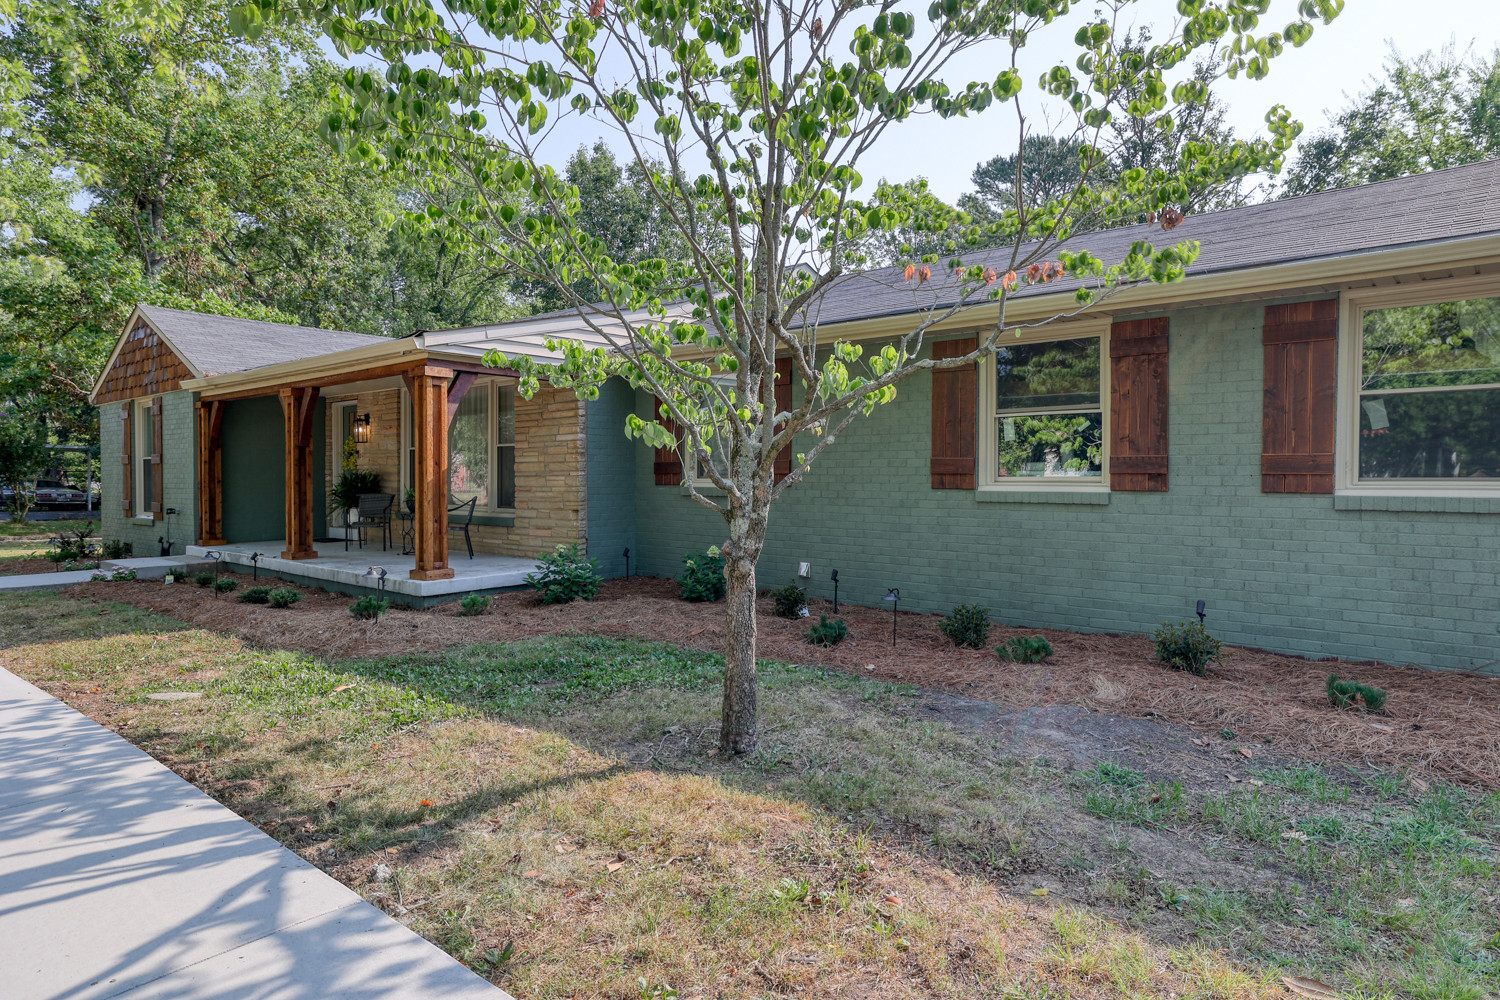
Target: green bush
203,579
703,580
285,597
256,595
966,626
369,607
116,548
1025,649
474,604
789,601
121,575
1186,646
565,575
828,633
225,584
1353,694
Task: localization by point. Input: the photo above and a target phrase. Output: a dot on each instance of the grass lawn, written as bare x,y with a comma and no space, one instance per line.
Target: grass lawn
552,812
38,529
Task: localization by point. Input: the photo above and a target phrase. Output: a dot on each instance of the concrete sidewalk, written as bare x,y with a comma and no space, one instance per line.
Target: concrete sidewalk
119,879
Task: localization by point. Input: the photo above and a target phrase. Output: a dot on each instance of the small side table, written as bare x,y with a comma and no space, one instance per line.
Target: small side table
408,531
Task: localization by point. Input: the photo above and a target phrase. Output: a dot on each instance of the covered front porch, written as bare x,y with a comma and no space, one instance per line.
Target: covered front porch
332,568
435,393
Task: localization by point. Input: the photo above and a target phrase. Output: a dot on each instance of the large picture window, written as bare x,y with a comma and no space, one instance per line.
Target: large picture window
481,447
1048,412
1429,392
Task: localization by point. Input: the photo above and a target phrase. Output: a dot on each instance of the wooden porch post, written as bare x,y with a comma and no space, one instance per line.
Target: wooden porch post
430,414
297,409
210,473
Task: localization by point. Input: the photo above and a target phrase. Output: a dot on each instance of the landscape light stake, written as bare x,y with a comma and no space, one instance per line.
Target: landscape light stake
215,555
377,573
255,558
835,579
1202,611
894,596
627,564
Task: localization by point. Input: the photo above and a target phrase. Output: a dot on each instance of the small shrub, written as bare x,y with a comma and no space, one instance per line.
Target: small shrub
285,597
1186,646
474,604
1024,649
565,575
121,575
703,580
225,584
100,577
256,595
369,607
966,626
789,601
116,548
828,633
1353,694
204,579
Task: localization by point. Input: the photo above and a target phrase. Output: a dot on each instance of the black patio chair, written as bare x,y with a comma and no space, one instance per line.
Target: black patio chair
468,520
375,511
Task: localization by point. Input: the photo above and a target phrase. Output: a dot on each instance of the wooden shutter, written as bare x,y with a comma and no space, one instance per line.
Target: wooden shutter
955,405
128,481
156,498
1301,355
668,465
783,465
1138,405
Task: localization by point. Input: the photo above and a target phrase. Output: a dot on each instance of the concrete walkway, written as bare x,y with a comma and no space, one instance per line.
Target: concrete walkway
119,879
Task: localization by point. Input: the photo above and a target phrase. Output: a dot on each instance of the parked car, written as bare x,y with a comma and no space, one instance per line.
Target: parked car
57,495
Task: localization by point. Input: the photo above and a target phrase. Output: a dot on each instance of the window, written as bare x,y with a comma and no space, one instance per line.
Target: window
1424,380
145,448
481,447
1046,398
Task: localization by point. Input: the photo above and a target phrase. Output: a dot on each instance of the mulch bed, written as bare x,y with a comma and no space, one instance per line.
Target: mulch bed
1441,724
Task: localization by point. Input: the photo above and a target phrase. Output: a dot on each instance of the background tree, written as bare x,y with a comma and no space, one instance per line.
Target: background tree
1430,111
756,116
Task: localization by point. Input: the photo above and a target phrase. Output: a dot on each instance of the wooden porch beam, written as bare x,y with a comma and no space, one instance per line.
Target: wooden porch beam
210,473
461,384
429,387
402,369
298,406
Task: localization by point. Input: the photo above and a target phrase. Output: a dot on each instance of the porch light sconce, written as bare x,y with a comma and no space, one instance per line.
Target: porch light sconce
894,596
255,558
378,574
362,429
215,555
1202,611
835,579
627,564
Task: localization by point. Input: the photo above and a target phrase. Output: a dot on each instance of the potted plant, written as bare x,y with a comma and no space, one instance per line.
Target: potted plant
343,499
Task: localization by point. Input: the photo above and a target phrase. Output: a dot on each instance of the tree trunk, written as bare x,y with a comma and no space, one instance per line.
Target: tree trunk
738,733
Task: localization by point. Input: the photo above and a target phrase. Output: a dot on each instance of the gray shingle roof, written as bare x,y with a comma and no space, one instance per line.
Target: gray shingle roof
216,345
1407,211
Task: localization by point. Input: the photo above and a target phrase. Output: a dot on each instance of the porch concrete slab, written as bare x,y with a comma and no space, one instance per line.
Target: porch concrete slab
348,569
142,886
156,567
45,581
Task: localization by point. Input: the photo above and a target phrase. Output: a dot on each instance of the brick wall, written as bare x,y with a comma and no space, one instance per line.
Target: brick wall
179,478
1397,580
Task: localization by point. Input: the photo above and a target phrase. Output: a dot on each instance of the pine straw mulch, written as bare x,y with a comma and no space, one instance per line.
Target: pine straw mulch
1440,724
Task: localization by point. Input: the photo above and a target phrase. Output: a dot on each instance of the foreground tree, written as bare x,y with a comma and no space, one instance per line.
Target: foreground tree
754,117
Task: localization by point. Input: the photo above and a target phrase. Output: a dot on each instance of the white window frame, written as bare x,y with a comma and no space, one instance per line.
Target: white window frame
691,479
492,386
140,427
1352,307
989,481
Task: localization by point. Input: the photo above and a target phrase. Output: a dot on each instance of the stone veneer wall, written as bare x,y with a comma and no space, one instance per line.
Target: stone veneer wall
551,503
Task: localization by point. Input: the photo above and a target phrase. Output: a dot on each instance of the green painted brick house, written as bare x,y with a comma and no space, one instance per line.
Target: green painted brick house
1304,434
